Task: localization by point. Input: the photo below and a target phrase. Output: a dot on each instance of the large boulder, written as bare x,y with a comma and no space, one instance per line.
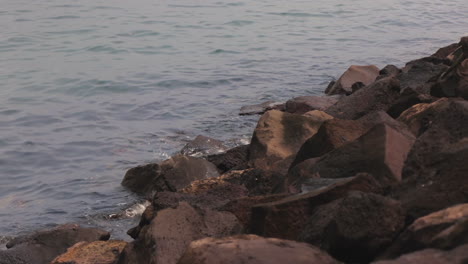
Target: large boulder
253,250
379,95
203,146
43,246
458,255
166,238
445,229
418,75
304,104
277,138
354,74
382,152
171,175
355,228
434,174
286,218
98,252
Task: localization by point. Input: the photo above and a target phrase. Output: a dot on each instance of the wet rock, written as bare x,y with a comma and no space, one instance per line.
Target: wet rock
43,246
203,146
259,109
233,159
382,152
303,104
435,171
445,229
355,228
458,255
166,238
253,250
171,175
277,138
354,74
102,252
286,218
379,95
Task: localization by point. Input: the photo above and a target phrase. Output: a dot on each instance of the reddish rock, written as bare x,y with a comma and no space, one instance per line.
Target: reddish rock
233,159
98,252
203,146
303,104
445,229
253,250
435,171
286,218
277,138
171,175
382,152
379,95
355,228
354,74
166,238
43,246
458,255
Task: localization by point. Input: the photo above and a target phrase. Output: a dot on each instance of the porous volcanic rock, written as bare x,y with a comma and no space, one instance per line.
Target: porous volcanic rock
355,228
97,252
233,159
253,250
304,104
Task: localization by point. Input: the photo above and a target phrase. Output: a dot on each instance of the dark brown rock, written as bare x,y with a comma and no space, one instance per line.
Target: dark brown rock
445,229
277,138
408,98
379,95
354,74
166,238
382,152
304,104
444,52
253,250
355,228
43,246
454,83
97,252
388,71
458,255
418,74
259,109
286,218
434,174
171,175
203,146
235,158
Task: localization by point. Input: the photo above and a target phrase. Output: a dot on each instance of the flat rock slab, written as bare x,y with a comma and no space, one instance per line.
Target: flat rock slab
253,250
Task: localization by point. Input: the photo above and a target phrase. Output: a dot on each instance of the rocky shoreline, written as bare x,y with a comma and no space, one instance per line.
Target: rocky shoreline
375,171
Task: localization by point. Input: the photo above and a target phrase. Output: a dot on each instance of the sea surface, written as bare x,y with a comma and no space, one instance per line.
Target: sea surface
89,89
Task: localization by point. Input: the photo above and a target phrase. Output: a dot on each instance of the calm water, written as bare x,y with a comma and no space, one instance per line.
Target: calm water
89,89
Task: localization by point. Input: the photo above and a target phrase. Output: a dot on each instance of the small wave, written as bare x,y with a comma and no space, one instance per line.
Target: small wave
239,23
63,17
139,33
300,14
220,51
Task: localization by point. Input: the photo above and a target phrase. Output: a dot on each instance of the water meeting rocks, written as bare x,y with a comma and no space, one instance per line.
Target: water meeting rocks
354,74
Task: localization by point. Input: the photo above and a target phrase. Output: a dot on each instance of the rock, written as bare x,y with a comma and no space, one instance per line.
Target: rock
242,207
458,255
445,52
454,83
388,71
434,174
417,74
286,218
382,152
355,73
303,104
171,175
253,250
166,238
408,98
203,146
257,181
355,228
235,158
277,138
379,95
259,109
102,252
445,229
43,246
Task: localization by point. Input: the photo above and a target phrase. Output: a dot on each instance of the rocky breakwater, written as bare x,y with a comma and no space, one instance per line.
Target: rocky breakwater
373,172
